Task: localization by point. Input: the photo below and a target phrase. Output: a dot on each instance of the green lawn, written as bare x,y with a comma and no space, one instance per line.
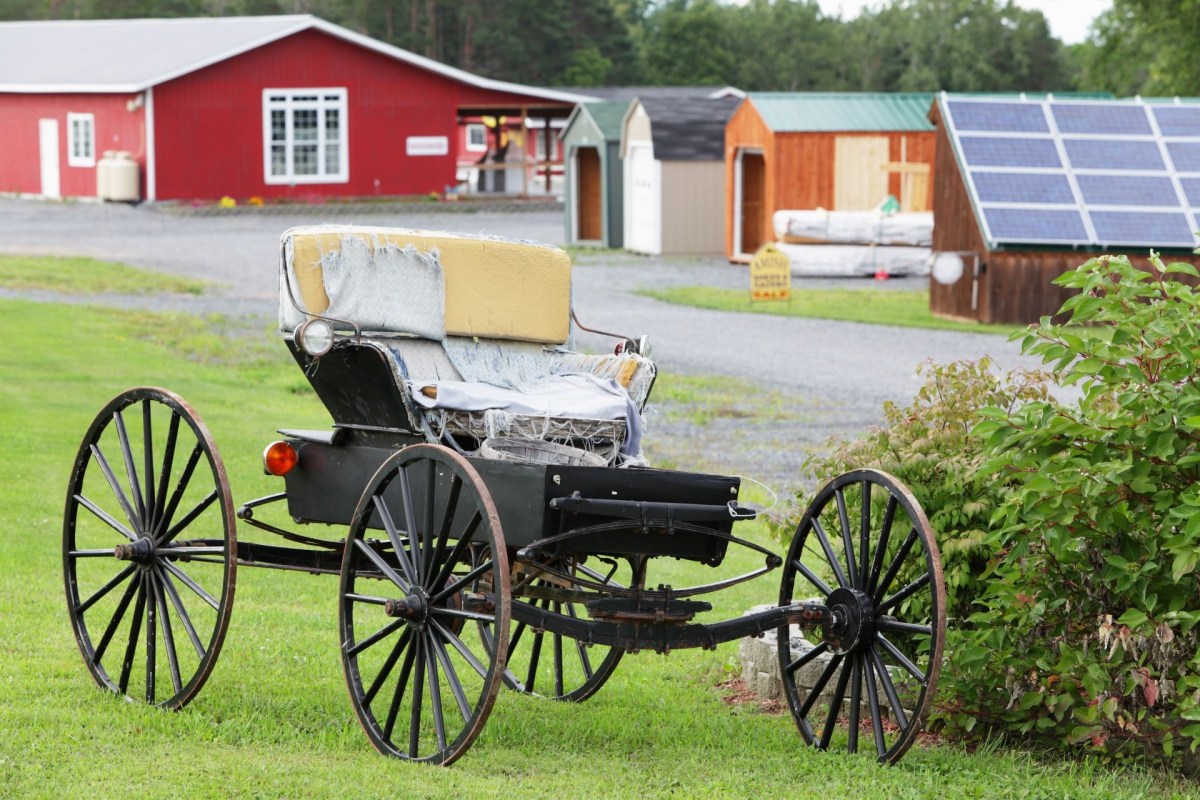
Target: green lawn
274,720
76,275
907,308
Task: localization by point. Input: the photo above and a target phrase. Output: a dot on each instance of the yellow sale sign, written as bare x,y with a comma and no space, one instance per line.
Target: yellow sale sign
770,274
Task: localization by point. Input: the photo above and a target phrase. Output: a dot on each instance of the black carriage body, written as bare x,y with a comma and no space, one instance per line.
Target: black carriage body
628,514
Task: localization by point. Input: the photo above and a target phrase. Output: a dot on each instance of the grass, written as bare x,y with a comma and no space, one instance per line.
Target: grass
275,721
77,275
904,308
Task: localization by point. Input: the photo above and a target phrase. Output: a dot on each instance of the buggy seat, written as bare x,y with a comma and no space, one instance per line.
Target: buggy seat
477,333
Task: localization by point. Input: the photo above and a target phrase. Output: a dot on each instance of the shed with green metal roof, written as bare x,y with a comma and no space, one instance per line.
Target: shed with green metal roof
843,151
593,195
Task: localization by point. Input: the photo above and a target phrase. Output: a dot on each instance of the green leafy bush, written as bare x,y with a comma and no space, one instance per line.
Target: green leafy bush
930,446
1088,632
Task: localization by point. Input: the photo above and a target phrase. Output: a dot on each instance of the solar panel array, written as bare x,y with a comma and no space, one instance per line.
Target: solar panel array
1087,173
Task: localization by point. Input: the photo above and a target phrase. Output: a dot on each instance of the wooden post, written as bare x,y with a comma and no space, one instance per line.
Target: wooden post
525,148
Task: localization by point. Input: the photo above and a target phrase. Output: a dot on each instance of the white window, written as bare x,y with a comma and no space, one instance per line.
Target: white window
81,140
304,136
476,137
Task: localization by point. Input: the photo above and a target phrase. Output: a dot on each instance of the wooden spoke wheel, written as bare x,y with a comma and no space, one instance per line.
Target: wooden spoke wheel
865,549
149,549
549,664
423,692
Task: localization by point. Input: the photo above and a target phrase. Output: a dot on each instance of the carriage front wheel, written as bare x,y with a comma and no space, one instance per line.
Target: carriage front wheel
424,557
865,550
149,548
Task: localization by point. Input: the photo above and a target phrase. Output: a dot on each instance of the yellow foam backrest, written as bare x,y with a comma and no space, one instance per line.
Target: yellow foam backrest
495,288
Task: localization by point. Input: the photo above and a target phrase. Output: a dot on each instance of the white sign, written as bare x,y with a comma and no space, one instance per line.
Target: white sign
427,146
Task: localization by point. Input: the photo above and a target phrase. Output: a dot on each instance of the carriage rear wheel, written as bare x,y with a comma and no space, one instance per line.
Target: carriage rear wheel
549,664
420,689
865,549
149,549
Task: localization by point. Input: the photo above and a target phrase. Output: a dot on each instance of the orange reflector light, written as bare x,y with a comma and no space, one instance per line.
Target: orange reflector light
279,458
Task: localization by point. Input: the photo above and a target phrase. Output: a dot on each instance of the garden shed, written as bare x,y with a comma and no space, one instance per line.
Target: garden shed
594,198
1028,188
280,107
834,151
672,148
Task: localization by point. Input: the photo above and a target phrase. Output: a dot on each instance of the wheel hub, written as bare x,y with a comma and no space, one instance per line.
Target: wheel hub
142,551
854,620
414,607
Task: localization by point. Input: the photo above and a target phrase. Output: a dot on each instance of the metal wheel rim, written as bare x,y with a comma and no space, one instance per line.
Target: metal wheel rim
847,673
139,502
430,649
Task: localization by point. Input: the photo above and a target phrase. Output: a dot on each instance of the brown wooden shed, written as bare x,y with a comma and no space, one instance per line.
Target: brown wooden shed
1027,188
808,150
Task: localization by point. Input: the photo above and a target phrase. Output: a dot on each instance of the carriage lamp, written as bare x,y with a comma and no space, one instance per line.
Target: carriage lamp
279,458
315,337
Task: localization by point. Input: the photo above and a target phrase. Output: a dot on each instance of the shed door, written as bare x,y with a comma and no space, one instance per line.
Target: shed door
860,172
752,174
643,198
588,203
48,148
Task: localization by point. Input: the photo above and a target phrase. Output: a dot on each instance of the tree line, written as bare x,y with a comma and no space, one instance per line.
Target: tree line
1138,47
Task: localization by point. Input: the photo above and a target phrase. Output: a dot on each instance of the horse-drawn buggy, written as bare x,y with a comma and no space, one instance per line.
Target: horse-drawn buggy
483,497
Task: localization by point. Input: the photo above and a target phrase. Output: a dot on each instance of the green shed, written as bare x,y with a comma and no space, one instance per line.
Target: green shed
593,192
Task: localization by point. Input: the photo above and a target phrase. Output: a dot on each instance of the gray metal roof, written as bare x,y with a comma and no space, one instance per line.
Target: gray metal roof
689,128
628,93
131,55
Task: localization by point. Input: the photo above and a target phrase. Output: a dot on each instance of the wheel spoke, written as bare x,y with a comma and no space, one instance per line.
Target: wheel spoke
462,583
427,531
168,640
905,593
148,455
897,563
388,665
895,626
105,589
135,627
460,548
381,565
855,702
864,535
369,599
389,525
581,648
375,638
819,685
902,660
873,703
558,658
448,636
885,533
398,694
812,577
435,696
847,539
114,485
835,705
164,475
191,584
889,688
806,657
106,518
439,548
477,616
169,586
151,638
414,717
189,518
135,487
115,622
97,552
456,688
180,487
830,556
410,523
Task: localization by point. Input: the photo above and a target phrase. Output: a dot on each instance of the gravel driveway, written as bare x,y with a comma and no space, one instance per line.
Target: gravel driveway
818,377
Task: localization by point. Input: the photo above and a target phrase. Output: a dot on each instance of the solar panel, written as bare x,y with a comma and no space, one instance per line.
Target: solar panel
1079,172
999,117
1127,190
1152,229
987,151
1178,120
1075,118
1022,187
1040,225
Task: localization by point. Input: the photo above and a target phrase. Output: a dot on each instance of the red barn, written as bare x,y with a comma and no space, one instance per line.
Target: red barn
275,107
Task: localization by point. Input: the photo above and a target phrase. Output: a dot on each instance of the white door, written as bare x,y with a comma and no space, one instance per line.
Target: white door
48,146
642,201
